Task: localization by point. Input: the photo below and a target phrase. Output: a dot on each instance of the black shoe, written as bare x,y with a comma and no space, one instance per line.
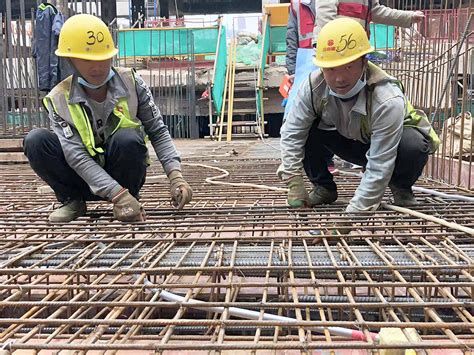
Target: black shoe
403,197
321,196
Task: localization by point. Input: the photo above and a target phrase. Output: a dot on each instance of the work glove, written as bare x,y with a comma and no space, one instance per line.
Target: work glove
127,208
181,192
341,227
297,194
333,228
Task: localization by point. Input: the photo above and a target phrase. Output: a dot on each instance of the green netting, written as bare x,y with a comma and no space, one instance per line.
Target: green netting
266,48
166,42
220,71
259,101
278,39
249,54
382,36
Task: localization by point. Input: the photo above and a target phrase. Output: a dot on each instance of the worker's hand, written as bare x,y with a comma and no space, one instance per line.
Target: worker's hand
127,208
292,79
297,194
332,228
341,227
417,17
181,192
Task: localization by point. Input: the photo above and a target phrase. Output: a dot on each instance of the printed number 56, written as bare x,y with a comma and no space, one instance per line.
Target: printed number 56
344,43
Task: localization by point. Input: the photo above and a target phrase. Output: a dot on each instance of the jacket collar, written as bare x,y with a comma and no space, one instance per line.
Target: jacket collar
375,75
116,87
359,105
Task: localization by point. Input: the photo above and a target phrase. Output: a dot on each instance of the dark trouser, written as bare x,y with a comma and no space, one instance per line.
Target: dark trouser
412,156
328,157
125,161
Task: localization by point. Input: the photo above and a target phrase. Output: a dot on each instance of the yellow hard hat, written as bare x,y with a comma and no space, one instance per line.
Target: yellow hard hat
341,41
85,37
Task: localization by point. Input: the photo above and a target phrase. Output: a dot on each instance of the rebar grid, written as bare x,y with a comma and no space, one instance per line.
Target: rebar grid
97,284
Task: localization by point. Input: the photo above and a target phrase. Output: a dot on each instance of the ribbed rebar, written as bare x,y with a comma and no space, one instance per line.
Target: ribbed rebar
82,285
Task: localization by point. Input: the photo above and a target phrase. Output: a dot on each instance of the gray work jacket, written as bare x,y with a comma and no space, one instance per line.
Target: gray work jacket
75,152
389,108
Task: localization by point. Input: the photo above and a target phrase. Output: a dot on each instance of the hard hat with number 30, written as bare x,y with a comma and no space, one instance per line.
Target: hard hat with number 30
341,41
85,37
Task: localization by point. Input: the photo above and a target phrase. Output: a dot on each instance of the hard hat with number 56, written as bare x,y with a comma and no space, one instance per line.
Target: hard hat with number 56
85,37
341,41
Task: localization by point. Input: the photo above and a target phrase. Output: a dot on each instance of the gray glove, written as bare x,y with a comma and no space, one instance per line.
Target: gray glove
181,192
127,208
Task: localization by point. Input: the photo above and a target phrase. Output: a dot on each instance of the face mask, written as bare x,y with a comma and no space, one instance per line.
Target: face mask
85,83
359,85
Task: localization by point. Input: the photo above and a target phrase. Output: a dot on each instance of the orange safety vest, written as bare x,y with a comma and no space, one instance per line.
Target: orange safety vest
360,10
305,19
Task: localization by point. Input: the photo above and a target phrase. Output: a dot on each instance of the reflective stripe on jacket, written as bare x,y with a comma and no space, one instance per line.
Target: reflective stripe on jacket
377,120
413,117
125,110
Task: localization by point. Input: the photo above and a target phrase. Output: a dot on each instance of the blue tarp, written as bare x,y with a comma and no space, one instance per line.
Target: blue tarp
304,66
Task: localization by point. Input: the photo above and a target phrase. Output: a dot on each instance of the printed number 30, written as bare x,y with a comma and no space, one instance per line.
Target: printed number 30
94,37
344,43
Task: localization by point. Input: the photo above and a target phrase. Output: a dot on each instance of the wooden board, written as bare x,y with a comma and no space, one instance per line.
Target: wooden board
12,157
11,145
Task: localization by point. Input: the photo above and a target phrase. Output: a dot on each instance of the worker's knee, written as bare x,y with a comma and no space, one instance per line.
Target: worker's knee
38,141
127,138
413,145
128,141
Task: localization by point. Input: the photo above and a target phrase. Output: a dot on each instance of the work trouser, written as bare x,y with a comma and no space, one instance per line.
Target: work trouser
125,161
412,155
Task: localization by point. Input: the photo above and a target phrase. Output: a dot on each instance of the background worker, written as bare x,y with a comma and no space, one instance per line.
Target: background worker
360,113
299,36
299,32
100,116
364,12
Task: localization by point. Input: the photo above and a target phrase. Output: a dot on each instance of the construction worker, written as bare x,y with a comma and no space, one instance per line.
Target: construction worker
299,36
99,117
360,113
363,11
299,30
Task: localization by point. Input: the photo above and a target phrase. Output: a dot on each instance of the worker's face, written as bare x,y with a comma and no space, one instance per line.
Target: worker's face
95,72
343,78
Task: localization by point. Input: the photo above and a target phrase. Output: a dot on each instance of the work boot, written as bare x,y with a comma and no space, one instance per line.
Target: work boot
321,196
403,197
68,212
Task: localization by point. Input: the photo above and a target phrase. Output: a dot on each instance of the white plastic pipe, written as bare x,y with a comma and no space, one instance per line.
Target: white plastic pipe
443,195
254,315
424,190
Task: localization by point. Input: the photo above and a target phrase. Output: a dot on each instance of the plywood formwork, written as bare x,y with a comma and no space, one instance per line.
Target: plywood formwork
98,285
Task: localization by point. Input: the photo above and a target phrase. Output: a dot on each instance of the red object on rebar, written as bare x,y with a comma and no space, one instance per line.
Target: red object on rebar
359,335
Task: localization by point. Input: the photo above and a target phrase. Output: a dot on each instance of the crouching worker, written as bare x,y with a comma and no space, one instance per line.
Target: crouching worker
360,113
100,117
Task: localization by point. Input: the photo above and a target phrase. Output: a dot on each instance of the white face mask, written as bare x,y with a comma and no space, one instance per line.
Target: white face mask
85,83
359,85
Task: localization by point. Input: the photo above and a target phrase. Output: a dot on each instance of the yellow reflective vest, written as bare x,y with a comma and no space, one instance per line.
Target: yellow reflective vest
75,114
